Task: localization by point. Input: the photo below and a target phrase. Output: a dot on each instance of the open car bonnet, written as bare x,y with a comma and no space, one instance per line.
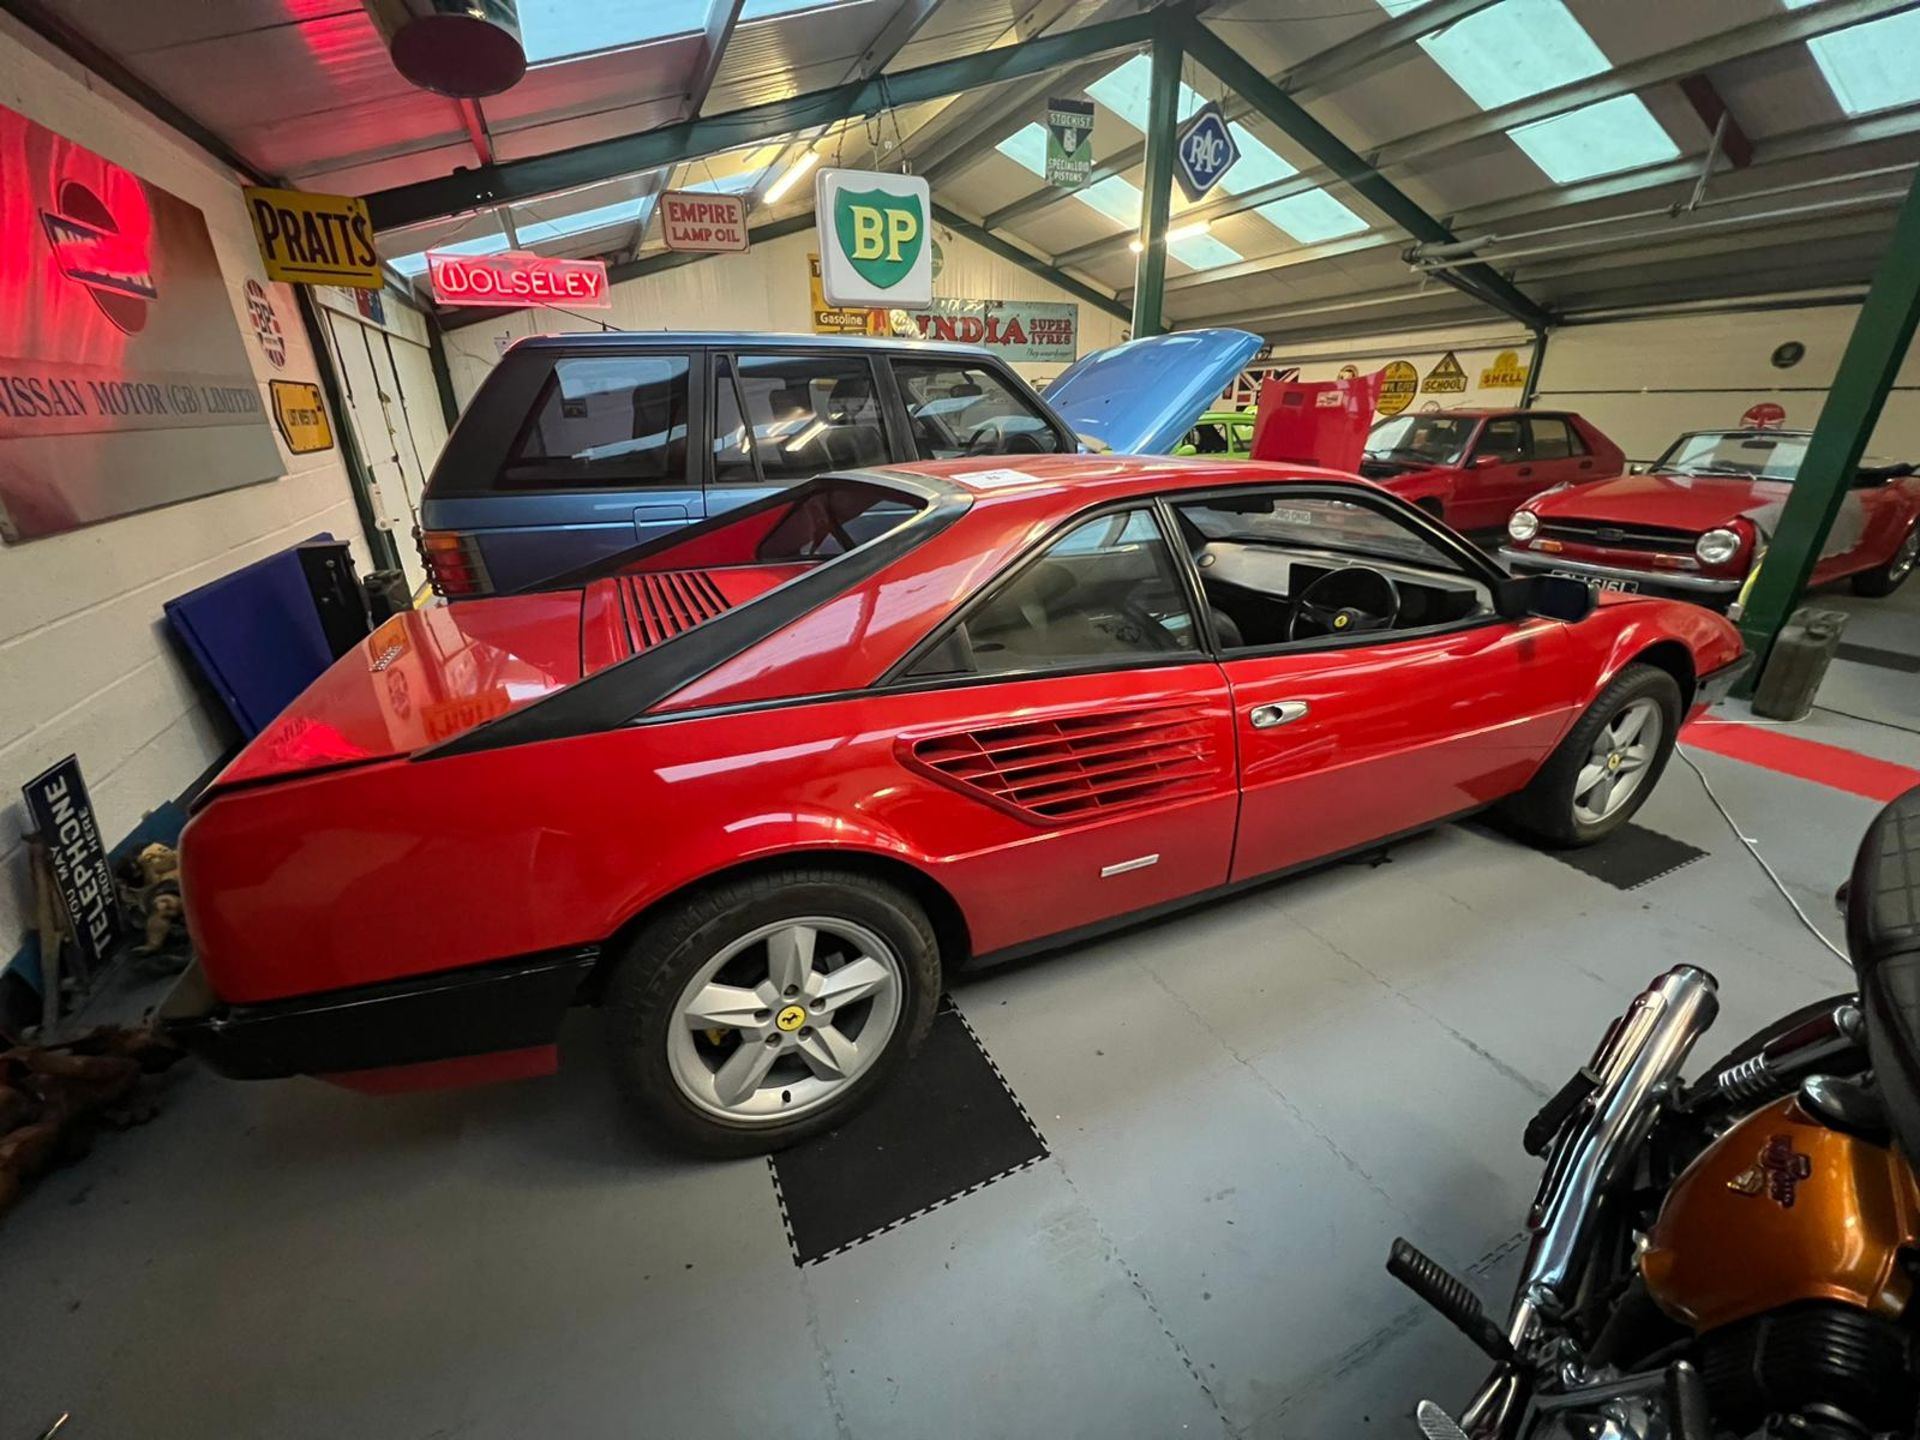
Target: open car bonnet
1141,398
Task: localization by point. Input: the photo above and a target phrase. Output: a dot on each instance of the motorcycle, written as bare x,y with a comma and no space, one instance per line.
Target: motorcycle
1736,1256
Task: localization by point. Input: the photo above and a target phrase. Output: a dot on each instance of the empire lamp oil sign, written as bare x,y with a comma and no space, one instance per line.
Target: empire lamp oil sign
875,246
315,239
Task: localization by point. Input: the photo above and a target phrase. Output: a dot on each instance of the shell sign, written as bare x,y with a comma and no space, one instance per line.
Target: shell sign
1506,372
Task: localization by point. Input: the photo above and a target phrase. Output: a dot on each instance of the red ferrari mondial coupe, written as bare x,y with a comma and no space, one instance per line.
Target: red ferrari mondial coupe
1698,522
754,786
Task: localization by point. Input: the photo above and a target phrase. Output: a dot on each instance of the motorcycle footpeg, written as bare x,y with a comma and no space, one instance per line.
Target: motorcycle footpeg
1435,1423
1448,1294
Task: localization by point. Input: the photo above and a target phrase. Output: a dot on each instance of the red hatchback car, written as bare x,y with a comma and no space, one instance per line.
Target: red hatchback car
1698,522
1473,468
754,786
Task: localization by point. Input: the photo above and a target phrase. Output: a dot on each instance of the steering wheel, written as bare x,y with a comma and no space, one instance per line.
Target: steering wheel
992,437
1349,601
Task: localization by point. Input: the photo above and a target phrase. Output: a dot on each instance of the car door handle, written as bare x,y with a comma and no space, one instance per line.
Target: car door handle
1284,712
1526,469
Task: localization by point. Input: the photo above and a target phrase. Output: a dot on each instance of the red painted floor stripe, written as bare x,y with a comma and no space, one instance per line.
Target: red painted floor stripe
1802,758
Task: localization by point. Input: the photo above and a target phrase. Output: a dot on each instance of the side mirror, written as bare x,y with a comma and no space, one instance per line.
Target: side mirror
1552,597
1483,462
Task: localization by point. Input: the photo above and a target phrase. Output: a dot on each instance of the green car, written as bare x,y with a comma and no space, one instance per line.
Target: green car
1220,432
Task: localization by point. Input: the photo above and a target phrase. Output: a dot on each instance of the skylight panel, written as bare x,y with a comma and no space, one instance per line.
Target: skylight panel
1515,49
1870,67
1027,147
1311,217
620,212
1124,88
768,9
554,29
416,263
1599,139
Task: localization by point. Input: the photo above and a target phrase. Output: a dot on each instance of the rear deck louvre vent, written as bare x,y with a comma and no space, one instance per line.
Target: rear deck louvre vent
667,603
1079,767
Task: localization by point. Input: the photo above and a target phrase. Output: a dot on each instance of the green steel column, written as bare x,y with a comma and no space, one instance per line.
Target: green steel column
1156,201
1873,355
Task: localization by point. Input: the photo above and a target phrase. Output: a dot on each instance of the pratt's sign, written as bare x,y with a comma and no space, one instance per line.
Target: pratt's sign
873,227
315,239
516,279
713,224
62,816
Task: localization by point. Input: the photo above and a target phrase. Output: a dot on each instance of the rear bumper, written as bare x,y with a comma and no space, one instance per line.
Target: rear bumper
1649,582
509,1005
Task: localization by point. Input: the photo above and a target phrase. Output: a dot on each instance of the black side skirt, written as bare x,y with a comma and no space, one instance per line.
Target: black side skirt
509,1005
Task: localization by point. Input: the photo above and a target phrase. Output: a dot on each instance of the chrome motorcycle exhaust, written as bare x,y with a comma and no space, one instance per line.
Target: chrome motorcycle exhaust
1634,1070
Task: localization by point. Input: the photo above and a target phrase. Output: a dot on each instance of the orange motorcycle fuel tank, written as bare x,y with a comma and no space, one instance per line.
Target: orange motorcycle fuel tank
1783,1209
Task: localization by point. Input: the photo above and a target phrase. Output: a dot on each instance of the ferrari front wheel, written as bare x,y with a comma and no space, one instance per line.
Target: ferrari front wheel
1882,581
763,1010
1608,764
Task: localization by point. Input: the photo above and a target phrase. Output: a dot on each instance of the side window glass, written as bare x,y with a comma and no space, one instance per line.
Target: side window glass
804,414
1503,438
1106,591
618,420
1552,438
1278,567
956,409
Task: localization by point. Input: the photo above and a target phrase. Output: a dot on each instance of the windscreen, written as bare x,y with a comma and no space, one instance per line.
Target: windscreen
1425,439
1734,452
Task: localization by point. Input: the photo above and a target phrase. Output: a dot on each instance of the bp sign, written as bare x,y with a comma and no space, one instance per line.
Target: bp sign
874,245
1206,151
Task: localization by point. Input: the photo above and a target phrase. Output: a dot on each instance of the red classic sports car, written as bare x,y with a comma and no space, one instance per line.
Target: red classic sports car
1698,522
753,786
1473,467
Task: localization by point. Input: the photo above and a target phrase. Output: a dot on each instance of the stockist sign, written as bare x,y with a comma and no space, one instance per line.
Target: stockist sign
61,814
1069,143
309,239
516,279
873,230
712,224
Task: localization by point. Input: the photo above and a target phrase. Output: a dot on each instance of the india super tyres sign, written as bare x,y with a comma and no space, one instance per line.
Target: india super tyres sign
1205,152
1034,331
61,815
125,381
874,245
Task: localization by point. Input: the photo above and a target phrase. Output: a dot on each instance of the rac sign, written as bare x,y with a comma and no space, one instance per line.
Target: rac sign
875,250
1204,152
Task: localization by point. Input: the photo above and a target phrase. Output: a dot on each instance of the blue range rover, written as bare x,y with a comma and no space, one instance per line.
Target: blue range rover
578,446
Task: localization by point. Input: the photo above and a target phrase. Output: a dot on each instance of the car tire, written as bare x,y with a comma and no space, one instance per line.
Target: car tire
1554,808
1432,507
650,995
1881,582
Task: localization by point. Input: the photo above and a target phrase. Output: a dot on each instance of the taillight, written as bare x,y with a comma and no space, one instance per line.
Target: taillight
453,563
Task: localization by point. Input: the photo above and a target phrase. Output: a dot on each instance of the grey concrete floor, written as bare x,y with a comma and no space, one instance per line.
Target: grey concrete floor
1244,1106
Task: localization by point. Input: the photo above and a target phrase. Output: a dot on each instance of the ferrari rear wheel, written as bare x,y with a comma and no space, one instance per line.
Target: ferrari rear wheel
1881,582
1608,764
764,1010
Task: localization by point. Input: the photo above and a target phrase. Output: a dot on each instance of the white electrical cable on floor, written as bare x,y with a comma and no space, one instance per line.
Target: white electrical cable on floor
1754,850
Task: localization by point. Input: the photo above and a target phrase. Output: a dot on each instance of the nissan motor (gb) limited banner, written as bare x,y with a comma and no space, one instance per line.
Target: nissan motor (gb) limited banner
124,379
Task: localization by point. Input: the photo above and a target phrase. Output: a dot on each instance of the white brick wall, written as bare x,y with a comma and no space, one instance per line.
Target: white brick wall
85,665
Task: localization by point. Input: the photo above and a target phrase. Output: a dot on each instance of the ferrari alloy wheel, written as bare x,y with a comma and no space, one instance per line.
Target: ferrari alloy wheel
784,1018
1892,575
1607,765
1617,764
755,1012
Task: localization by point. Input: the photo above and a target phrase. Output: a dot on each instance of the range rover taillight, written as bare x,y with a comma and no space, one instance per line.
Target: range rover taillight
453,563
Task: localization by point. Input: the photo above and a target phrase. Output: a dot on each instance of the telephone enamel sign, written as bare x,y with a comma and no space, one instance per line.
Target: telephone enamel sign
874,246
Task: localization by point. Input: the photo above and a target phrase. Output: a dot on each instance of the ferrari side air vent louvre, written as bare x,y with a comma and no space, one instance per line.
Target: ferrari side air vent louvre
1079,766
667,603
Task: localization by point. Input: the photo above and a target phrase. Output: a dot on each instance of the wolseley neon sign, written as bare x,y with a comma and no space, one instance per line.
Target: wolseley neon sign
516,278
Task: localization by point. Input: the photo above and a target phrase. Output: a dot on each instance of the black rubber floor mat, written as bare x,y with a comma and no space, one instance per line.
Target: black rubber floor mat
1631,856
946,1127
1873,655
